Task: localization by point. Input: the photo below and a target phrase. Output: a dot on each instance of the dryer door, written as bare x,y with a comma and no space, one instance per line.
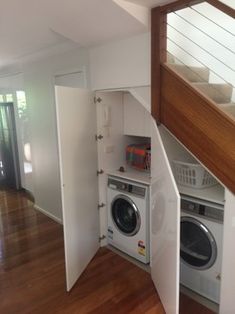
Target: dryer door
198,247
125,215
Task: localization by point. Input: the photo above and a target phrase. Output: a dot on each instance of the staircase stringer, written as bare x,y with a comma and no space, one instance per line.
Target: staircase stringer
196,121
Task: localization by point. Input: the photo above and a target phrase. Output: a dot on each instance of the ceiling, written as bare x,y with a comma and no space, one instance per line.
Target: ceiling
30,26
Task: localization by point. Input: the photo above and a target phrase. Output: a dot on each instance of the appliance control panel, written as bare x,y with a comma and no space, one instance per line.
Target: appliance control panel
127,187
201,208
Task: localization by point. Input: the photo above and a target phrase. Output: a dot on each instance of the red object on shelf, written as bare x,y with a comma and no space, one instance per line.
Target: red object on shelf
139,156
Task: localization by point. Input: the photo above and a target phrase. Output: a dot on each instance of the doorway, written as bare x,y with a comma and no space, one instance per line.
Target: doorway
9,161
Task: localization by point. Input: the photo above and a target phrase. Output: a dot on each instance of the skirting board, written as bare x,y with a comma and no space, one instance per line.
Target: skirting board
48,214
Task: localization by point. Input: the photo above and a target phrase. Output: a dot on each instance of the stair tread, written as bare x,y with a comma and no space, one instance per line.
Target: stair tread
228,108
220,93
191,73
214,84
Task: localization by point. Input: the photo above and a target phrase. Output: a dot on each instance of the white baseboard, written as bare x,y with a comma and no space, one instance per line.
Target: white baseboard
48,214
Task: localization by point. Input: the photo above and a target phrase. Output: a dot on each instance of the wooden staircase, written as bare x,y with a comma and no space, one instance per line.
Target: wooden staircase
199,113
221,94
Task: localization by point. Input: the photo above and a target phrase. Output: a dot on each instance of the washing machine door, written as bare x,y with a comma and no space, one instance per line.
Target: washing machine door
125,215
197,245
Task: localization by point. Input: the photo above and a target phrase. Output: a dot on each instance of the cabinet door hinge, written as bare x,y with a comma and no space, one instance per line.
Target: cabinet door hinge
98,137
97,100
101,205
101,171
102,238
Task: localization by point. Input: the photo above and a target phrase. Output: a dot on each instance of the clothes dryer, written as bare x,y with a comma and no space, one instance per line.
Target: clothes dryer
201,246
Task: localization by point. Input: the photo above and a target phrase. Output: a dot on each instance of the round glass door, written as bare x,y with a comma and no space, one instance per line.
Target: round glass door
197,245
125,215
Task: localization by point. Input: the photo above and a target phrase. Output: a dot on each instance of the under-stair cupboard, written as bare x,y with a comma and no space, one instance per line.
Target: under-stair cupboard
178,115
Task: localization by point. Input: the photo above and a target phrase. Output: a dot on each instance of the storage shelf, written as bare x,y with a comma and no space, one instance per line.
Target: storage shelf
213,194
132,174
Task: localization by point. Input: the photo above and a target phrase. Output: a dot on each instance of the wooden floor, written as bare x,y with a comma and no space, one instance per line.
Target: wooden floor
32,272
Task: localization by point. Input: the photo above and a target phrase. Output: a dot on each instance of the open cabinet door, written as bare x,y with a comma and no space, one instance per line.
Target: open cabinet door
227,295
164,226
76,124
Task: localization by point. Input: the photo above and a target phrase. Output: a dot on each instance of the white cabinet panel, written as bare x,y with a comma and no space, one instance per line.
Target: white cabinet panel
111,148
121,64
147,123
164,226
134,123
143,95
227,294
76,123
136,117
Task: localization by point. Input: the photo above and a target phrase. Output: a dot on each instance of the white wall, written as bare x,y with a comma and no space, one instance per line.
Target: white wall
124,63
121,64
73,79
39,79
12,81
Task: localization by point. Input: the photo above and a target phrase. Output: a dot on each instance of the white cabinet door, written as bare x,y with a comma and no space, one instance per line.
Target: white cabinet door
164,226
76,123
227,294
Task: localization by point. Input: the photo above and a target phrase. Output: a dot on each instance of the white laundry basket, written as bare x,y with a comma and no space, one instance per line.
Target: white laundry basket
192,175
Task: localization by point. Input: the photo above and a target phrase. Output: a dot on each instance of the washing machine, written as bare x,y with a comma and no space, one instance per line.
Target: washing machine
128,217
201,246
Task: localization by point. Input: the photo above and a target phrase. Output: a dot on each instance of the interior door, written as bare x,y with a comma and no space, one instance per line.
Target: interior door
165,226
76,124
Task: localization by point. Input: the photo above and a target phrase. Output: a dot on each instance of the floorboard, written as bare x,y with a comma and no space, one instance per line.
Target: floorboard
32,271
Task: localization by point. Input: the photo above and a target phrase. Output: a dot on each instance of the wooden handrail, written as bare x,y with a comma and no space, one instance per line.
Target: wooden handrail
178,5
181,4
223,7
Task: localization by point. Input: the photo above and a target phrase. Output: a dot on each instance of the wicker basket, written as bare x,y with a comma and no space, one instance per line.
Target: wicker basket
192,175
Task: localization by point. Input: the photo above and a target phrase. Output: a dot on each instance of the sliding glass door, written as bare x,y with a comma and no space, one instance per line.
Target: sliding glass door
9,163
